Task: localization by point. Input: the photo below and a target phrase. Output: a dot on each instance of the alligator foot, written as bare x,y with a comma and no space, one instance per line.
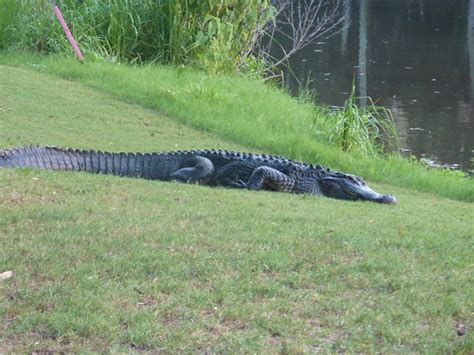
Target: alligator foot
238,184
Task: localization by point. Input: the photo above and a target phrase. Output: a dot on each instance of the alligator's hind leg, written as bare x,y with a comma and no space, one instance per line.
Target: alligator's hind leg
233,175
194,169
266,177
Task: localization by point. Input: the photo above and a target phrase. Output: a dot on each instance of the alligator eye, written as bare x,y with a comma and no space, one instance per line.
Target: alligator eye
352,179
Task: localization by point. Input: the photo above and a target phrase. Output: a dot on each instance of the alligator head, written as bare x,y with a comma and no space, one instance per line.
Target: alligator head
350,187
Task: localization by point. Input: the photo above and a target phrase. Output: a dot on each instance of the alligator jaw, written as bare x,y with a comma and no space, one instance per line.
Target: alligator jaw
388,199
361,191
350,187
367,194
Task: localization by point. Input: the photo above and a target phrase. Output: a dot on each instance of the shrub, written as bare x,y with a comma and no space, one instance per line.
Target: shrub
216,35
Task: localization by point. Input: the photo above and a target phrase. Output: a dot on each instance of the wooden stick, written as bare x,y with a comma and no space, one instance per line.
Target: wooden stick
69,36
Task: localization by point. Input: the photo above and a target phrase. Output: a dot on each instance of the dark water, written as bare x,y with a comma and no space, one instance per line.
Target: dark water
415,57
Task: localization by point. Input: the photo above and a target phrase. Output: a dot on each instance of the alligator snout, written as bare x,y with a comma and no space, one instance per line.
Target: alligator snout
388,199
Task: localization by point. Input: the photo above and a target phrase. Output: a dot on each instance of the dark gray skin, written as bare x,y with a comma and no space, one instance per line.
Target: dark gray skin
207,167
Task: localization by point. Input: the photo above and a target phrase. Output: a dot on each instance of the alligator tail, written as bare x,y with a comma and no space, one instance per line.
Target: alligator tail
53,158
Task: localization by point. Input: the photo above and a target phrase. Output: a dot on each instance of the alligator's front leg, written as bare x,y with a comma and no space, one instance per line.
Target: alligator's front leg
194,169
273,179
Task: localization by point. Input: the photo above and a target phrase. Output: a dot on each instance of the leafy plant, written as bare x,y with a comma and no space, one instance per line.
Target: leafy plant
216,36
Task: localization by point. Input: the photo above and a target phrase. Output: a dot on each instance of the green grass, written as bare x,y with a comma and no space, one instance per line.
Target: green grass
40,109
103,263
247,112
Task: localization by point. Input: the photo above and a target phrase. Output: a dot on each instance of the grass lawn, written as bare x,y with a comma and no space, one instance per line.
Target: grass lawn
107,263
245,111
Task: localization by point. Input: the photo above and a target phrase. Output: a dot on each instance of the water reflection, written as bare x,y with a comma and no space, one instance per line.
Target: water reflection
345,25
414,56
362,80
470,44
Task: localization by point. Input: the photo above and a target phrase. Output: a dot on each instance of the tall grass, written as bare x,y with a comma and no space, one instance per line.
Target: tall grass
369,130
7,14
213,35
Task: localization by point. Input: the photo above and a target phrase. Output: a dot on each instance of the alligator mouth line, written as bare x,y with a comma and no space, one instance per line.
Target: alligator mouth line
386,199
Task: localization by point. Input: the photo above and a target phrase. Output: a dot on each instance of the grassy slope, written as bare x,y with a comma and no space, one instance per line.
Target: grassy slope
243,111
102,262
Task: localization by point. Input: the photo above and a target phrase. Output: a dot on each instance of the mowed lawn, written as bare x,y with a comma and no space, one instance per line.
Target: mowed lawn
103,263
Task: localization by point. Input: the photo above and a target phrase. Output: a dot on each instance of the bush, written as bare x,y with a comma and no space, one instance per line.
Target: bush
216,35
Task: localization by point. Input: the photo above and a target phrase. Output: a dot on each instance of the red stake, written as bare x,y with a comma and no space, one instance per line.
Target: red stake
69,36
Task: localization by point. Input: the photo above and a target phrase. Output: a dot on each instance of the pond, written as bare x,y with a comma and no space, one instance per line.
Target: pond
415,57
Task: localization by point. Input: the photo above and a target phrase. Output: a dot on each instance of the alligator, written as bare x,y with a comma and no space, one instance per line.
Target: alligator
251,171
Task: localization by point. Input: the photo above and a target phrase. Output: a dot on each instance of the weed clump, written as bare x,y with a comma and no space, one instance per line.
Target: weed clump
369,130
